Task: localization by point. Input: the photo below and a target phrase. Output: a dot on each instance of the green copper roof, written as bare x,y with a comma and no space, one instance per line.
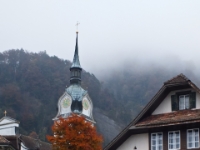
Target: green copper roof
76,62
76,92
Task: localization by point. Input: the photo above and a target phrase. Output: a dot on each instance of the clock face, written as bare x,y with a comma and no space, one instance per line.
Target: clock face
85,103
66,102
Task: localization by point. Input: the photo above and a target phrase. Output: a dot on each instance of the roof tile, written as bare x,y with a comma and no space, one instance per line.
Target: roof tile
3,140
178,79
170,118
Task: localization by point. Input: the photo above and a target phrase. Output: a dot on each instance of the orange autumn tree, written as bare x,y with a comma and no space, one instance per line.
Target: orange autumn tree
74,133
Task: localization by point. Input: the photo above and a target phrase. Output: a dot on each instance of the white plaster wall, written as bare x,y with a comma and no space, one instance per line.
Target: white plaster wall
88,111
7,131
197,100
165,105
141,141
68,109
61,109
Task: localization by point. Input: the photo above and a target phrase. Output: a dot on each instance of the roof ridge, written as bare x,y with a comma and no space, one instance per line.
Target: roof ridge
36,139
177,79
10,118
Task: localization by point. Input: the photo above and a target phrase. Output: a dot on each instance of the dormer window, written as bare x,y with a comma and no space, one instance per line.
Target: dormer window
183,100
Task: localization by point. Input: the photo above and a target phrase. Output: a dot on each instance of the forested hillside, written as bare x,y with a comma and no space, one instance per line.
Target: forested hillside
31,84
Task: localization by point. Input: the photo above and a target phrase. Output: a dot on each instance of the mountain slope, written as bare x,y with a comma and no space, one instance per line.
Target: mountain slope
31,84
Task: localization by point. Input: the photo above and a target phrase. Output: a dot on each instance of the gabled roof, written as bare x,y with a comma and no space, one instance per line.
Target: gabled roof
13,140
178,79
8,120
178,82
28,142
5,144
32,143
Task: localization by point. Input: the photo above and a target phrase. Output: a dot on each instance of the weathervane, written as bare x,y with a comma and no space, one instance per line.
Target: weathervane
77,26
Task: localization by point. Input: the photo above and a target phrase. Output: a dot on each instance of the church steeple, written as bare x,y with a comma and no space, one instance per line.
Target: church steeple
75,99
76,67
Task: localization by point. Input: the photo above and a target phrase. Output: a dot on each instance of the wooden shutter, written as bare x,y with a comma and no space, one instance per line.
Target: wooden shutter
192,100
174,102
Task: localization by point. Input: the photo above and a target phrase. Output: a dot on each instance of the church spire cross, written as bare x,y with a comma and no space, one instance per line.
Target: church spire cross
77,26
5,112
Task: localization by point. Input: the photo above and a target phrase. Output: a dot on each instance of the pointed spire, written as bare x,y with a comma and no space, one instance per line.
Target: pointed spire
76,62
76,67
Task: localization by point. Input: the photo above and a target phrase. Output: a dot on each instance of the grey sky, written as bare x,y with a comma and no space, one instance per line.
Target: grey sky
110,32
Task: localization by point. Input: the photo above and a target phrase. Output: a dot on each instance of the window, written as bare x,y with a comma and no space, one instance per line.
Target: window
174,140
193,138
156,141
183,100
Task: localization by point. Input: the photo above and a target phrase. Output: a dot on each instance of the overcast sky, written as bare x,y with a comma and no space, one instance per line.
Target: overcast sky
111,32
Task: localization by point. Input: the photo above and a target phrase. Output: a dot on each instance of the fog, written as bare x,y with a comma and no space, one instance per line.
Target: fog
114,34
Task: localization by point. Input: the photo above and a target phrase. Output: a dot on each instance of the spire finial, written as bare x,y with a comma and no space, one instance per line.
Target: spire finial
77,26
5,112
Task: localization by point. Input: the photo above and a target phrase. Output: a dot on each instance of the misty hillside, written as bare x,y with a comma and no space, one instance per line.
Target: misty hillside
31,84
135,86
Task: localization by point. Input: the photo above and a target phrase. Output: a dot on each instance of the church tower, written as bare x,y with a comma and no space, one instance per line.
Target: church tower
75,99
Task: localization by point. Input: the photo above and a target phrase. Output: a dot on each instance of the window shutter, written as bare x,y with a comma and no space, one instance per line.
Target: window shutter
174,102
192,100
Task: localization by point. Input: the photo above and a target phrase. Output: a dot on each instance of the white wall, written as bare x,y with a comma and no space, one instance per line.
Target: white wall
141,141
8,131
87,112
64,110
197,100
7,126
165,105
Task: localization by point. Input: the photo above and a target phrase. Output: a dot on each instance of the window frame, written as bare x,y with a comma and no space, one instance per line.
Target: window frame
156,139
193,141
175,143
184,95
175,100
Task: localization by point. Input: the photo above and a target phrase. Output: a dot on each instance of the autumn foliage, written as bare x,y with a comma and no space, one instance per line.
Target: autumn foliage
75,133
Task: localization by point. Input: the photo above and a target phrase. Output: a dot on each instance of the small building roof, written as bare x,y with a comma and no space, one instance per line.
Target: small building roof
7,120
32,143
3,140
